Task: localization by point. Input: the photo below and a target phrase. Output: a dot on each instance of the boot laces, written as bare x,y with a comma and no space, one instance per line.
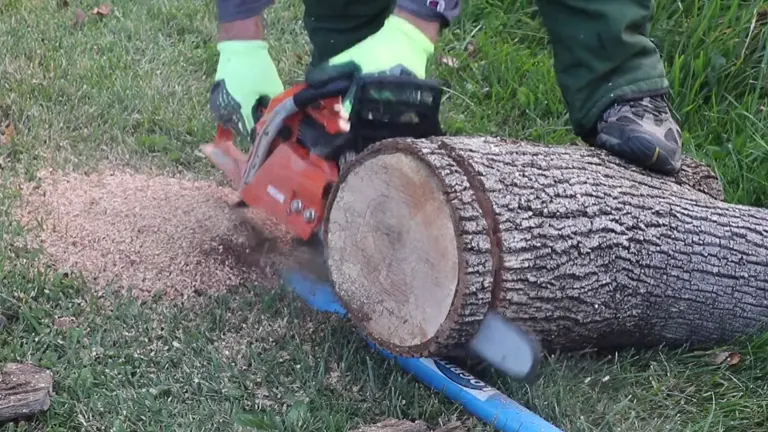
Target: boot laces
656,107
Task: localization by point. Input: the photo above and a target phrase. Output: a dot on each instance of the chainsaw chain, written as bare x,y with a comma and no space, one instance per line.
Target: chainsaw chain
345,159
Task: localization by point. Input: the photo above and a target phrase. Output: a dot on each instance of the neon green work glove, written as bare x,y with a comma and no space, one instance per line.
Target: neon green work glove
397,43
396,48
245,73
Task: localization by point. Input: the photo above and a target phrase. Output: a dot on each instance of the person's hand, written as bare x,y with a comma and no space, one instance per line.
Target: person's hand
245,73
397,43
398,48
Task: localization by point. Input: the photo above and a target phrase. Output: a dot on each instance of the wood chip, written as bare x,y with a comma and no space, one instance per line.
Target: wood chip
730,358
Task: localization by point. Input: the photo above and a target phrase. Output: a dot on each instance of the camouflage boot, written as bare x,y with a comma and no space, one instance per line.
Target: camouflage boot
643,133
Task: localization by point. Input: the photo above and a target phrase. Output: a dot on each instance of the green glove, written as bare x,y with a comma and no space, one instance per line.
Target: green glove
398,47
398,42
245,73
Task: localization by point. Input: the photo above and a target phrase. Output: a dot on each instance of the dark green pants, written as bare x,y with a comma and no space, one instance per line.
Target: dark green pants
602,52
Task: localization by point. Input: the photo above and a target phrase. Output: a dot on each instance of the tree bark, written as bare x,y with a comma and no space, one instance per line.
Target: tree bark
24,390
580,248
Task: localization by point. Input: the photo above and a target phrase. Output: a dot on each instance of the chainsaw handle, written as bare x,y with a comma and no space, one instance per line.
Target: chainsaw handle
310,95
259,108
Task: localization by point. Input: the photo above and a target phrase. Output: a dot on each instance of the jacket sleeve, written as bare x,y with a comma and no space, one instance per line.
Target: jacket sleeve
444,11
235,10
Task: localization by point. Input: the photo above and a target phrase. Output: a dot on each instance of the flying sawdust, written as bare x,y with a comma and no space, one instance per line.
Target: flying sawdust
153,233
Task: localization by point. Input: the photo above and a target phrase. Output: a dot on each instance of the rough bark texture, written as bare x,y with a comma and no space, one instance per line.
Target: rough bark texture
24,390
591,252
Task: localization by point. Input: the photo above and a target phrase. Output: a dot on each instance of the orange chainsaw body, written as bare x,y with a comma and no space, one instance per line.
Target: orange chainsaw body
292,184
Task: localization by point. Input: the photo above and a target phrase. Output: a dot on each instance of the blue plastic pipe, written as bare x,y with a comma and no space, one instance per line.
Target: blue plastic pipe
478,398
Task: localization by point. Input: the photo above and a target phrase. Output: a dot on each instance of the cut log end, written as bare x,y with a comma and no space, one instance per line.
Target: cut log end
397,232
25,390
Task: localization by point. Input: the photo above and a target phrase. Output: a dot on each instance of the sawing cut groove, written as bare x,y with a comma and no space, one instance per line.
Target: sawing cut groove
475,180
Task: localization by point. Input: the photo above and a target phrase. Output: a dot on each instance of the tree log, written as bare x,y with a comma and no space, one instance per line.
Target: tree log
24,390
580,248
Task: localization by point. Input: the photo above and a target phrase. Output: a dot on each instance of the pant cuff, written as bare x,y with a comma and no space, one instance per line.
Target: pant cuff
587,124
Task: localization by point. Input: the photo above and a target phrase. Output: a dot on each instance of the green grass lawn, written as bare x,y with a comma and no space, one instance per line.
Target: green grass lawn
131,89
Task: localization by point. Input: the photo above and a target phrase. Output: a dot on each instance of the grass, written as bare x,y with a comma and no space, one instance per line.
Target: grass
132,89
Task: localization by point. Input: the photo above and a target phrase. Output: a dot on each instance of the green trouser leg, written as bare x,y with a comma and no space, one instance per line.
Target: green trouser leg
333,26
602,54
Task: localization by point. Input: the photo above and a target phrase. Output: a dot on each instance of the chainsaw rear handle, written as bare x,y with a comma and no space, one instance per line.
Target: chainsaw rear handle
310,95
328,87
339,86
410,107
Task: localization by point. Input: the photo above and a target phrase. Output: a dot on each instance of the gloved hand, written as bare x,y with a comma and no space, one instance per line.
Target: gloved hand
398,47
245,73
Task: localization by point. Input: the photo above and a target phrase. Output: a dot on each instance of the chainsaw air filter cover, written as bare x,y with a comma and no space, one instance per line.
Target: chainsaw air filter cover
392,106
383,106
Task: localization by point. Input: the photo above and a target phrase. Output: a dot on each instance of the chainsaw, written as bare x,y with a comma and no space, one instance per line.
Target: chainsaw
303,137
301,141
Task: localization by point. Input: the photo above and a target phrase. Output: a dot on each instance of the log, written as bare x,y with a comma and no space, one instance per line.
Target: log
579,247
24,390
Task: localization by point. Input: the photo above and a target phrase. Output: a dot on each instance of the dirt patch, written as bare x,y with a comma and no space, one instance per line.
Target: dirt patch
153,233
392,425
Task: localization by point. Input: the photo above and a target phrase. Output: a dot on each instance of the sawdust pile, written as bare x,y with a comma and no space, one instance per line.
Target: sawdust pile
152,233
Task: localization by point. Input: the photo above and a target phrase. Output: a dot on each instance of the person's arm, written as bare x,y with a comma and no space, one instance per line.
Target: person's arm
431,29
241,19
429,16
243,55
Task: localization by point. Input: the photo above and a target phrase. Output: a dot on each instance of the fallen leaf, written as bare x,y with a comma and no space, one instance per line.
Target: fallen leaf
80,17
103,10
7,131
471,49
449,61
729,358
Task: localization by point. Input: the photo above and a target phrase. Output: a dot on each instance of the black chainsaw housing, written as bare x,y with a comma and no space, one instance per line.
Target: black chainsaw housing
383,107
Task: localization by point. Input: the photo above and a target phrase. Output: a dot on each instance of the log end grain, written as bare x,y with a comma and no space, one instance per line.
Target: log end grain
24,390
393,230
